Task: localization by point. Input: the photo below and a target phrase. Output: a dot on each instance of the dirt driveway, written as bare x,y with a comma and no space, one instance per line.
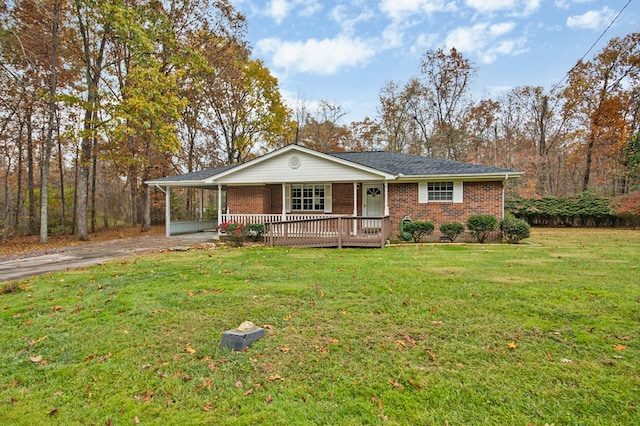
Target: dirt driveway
14,267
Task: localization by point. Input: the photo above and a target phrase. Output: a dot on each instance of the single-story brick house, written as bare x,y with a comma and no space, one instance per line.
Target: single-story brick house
295,182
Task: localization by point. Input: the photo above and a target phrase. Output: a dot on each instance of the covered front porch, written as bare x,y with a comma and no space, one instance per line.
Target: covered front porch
367,225
297,193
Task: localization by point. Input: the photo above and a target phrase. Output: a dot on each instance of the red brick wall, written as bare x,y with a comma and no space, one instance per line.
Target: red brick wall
479,198
248,199
342,198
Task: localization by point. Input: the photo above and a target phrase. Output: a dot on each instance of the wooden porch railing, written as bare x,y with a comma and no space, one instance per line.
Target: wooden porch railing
247,219
344,231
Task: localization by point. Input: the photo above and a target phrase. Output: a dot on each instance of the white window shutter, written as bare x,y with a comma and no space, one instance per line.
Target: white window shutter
458,195
327,198
423,193
287,198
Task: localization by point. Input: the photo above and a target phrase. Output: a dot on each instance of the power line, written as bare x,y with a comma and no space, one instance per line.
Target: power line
592,46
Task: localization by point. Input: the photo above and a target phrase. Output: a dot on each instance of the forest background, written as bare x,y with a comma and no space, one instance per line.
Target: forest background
98,96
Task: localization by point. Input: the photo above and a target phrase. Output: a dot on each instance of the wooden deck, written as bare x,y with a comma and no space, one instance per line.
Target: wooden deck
346,231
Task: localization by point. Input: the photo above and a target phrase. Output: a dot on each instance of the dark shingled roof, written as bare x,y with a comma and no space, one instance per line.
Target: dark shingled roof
414,165
195,176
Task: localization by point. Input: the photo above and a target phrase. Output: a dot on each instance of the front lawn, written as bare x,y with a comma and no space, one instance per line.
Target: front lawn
545,332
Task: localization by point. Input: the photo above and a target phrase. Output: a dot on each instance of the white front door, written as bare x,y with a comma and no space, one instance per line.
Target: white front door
373,204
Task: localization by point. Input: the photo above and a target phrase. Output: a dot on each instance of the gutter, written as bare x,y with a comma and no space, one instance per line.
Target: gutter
160,188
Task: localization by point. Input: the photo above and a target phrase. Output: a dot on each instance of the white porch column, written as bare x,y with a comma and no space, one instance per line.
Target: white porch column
219,204
355,199
167,211
386,198
284,202
201,202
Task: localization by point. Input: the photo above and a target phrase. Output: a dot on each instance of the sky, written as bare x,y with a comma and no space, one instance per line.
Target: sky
345,51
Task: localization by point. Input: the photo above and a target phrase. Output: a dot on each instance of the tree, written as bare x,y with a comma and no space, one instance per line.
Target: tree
447,81
245,101
597,94
404,120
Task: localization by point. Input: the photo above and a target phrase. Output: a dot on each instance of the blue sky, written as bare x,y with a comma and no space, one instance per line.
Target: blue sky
344,51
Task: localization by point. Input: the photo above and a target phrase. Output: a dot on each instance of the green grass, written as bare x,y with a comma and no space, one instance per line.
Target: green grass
460,334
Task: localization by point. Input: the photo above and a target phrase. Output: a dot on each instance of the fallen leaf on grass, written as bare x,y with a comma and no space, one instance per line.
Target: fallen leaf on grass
287,318
274,378
512,345
409,339
625,338
566,361
436,322
238,384
249,392
36,359
284,349
268,400
207,406
620,347
52,412
136,420
401,343
431,354
396,385
191,350
549,356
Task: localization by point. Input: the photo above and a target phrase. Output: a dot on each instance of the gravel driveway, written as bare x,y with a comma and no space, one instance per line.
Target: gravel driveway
91,253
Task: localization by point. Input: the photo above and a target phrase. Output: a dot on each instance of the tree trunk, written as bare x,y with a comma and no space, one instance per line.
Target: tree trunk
63,203
46,157
146,206
589,160
94,168
30,178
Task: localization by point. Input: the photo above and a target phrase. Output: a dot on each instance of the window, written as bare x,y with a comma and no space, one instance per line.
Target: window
307,197
440,191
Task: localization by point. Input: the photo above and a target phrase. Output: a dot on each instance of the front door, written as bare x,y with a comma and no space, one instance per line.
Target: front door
373,205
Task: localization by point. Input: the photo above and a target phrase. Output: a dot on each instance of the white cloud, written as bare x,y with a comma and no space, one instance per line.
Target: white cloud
484,41
524,7
279,10
342,17
325,57
400,9
592,20
566,4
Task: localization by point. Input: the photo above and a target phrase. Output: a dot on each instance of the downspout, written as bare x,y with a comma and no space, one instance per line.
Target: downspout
219,204
506,178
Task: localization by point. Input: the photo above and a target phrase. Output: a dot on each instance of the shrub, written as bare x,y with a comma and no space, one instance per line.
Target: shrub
419,229
236,232
452,230
255,231
513,229
481,225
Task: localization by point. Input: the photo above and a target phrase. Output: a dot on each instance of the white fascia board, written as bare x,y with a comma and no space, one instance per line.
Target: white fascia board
465,177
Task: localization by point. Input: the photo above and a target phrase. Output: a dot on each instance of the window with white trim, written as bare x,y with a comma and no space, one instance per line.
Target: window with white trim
307,197
440,191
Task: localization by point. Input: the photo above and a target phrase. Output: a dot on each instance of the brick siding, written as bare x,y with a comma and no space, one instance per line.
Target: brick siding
479,198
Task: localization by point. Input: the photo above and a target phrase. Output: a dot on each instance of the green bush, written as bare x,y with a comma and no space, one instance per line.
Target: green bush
419,229
514,229
452,230
481,225
255,231
235,232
